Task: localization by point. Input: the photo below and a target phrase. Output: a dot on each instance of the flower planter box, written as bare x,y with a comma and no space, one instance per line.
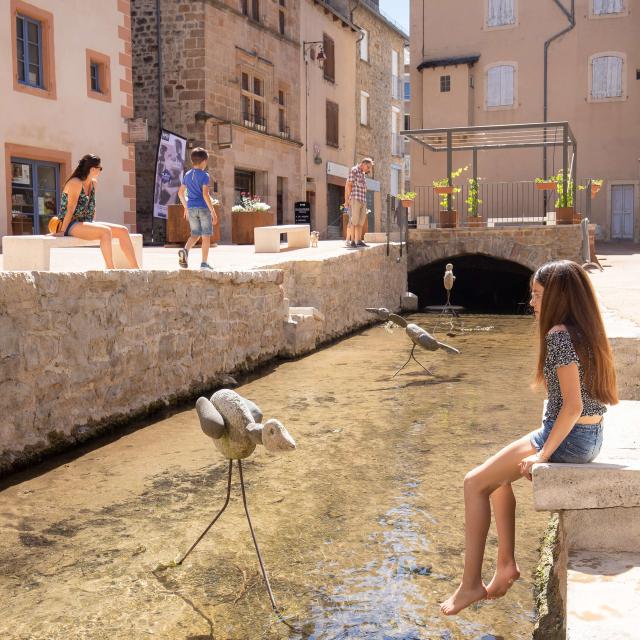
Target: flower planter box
448,219
443,190
244,222
476,221
565,215
407,203
545,186
345,224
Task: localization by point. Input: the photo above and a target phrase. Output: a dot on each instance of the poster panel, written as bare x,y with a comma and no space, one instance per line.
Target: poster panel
169,169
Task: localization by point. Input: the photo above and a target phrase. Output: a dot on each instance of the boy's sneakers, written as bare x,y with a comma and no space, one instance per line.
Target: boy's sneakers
183,256
205,265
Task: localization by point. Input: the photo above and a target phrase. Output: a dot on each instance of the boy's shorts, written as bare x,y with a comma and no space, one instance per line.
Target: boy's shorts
200,222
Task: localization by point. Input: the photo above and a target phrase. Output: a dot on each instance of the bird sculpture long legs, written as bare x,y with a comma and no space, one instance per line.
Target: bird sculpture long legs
253,535
413,348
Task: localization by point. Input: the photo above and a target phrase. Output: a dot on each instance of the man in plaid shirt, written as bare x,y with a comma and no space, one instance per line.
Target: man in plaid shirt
355,198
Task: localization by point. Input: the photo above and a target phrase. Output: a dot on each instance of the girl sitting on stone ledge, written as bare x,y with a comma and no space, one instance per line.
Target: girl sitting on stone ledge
77,213
576,365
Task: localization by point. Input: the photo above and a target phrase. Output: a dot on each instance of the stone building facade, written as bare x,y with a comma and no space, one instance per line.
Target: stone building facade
228,70
66,92
380,104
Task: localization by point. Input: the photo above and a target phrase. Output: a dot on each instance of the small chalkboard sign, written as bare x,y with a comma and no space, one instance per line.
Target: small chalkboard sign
302,212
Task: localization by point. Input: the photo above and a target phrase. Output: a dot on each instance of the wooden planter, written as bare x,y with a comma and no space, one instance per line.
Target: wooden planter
244,222
448,219
476,221
594,190
345,224
443,190
178,230
545,186
565,215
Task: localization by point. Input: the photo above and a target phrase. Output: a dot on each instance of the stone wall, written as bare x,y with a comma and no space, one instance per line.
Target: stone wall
528,246
82,352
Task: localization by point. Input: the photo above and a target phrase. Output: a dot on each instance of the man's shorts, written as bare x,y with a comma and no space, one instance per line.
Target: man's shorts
358,213
200,222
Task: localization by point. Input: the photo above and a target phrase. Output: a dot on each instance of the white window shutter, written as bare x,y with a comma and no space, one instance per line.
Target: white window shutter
599,77
614,77
493,87
606,77
501,12
506,85
603,7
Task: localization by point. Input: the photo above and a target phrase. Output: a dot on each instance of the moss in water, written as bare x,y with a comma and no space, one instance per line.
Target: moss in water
548,601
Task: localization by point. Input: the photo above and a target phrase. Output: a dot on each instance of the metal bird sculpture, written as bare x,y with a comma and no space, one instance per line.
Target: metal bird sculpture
449,280
381,314
235,425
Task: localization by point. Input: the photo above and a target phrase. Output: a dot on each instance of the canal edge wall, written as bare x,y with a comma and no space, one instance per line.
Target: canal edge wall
82,353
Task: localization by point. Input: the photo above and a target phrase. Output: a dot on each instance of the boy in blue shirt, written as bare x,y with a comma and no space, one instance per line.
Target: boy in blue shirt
198,208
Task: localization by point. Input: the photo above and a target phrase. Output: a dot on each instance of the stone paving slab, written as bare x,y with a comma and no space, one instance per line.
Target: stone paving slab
603,596
611,480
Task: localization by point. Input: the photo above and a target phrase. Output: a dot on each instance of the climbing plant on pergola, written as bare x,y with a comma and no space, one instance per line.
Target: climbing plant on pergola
532,135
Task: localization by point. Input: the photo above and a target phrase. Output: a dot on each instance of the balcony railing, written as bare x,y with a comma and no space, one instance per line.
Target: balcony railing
284,132
254,121
397,88
397,145
498,204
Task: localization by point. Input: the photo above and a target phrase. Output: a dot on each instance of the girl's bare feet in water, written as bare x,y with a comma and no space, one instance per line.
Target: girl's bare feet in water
462,598
502,580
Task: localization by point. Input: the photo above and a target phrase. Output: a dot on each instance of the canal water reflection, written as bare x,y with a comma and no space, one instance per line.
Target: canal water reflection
361,528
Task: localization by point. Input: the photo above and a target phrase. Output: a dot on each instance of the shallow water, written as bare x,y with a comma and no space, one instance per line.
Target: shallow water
361,528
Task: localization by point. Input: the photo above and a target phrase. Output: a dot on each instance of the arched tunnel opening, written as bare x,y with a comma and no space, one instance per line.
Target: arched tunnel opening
483,284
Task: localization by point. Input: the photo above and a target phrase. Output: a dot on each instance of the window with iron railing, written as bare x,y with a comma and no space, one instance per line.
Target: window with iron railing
283,130
253,104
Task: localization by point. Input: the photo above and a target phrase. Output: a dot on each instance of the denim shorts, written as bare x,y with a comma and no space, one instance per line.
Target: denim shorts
581,445
200,222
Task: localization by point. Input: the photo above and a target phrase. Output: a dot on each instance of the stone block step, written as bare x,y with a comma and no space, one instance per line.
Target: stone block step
611,480
603,596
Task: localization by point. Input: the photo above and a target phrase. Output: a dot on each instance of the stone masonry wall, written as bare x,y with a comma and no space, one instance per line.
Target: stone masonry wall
528,246
82,352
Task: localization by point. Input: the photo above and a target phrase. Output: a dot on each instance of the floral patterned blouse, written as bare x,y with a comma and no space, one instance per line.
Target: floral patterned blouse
561,352
85,207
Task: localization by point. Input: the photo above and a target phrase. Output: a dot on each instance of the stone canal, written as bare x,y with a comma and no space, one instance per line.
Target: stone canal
361,528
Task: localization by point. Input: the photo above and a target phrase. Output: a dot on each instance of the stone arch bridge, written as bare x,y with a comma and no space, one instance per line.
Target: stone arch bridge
528,247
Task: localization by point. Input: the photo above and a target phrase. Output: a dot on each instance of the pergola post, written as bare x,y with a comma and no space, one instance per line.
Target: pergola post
565,162
449,167
574,175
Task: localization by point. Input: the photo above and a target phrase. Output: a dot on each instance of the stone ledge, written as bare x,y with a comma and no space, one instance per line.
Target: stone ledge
612,480
603,595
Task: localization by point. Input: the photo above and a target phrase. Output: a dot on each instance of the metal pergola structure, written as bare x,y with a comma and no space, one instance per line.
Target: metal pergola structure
540,135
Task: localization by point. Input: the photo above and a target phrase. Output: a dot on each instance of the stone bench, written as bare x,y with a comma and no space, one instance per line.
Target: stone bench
598,566
32,253
267,239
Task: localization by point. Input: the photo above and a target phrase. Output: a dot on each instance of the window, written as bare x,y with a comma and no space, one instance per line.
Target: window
364,45
34,195
396,90
283,130
607,7
251,8
445,84
407,90
501,86
29,51
32,49
606,77
281,22
501,13
98,76
364,108
407,122
329,66
333,110
252,102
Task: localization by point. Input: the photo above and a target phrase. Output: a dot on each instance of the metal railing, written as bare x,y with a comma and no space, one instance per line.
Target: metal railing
284,132
496,204
397,145
254,121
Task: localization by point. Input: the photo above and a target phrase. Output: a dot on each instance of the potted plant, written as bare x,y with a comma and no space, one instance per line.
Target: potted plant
248,214
473,202
596,185
407,198
565,210
448,218
545,184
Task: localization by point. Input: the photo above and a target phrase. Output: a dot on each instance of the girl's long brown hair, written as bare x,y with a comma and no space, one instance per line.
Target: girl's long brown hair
568,298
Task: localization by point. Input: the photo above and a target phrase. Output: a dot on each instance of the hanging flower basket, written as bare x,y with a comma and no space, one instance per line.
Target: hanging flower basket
443,190
545,186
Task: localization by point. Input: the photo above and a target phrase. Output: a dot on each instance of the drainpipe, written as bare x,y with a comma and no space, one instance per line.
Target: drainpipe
572,23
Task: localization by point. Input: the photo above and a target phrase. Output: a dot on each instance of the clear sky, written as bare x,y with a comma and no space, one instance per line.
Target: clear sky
398,10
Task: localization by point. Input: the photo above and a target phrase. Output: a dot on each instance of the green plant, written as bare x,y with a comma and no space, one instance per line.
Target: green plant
408,195
444,182
472,201
543,180
597,182
564,199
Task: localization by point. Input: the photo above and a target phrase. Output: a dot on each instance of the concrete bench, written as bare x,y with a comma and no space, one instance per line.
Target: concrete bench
267,239
32,253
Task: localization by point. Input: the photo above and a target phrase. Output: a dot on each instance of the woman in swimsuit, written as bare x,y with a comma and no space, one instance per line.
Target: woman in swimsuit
77,212
576,366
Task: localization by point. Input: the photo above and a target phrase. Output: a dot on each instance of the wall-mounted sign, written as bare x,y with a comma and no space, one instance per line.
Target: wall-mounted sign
138,130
